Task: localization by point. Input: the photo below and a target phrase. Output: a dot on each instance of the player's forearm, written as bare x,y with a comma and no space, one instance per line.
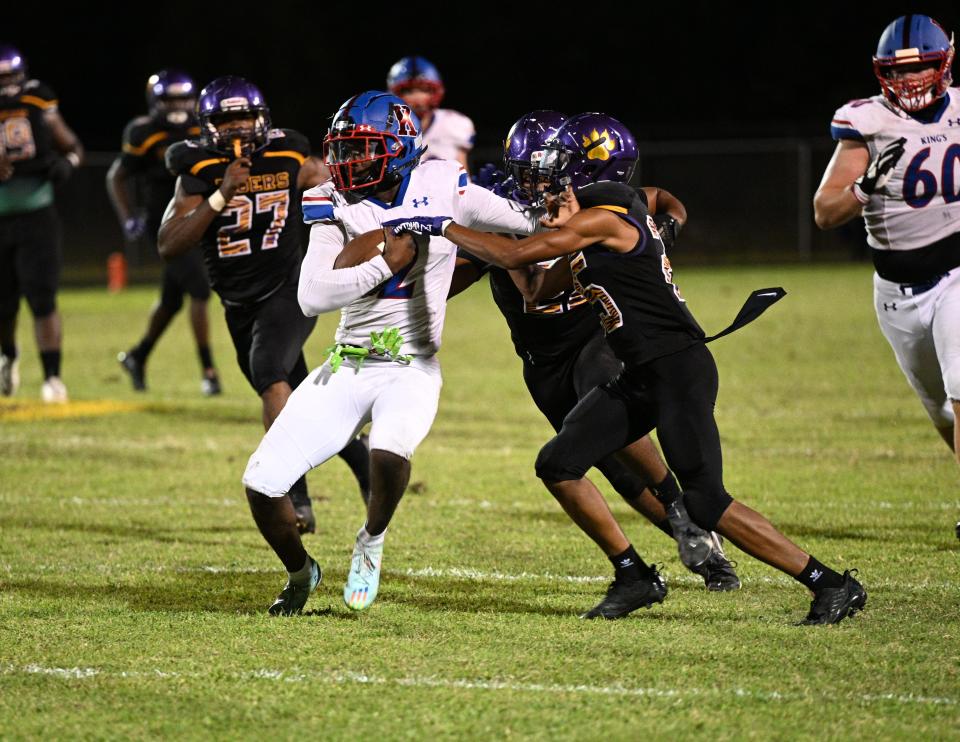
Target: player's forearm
180,234
117,191
501,251
325,289
835,206
667,203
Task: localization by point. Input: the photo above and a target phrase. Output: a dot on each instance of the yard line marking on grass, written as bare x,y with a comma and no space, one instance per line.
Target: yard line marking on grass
429,681
29,411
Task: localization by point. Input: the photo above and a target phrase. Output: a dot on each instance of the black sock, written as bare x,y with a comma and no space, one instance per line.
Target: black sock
668,490
142,349
628,565
51,363
10,351
816,576
298,492
206,357
358,459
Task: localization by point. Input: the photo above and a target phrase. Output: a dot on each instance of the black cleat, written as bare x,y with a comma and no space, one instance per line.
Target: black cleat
833,604
625,597
132,365
292,598
694,545
718,572
210,386
303,509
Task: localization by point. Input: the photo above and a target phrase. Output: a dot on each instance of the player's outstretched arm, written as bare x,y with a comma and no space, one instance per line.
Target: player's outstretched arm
835,202
585,228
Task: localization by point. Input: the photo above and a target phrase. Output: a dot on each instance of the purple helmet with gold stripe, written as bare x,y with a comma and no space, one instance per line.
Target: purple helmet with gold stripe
229,98
13,71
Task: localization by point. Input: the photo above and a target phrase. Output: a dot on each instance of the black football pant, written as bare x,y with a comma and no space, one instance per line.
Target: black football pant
676,395
557,387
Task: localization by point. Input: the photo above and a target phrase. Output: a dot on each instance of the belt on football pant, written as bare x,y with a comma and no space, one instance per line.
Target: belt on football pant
915,289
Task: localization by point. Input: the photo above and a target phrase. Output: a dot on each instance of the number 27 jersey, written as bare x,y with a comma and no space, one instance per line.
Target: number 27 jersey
920,204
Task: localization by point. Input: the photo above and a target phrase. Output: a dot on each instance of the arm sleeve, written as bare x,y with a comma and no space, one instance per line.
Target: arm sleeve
479,209
323,288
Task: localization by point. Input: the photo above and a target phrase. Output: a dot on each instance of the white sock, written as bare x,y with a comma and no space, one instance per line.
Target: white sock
367,540
302,576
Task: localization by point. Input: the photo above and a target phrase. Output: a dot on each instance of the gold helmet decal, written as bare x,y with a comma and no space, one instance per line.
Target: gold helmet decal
599,146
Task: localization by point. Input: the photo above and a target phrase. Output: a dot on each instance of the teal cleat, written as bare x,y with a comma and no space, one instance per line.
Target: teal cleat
292,598
363,582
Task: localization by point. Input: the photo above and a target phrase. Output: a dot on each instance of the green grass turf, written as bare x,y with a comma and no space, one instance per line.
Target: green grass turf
133,584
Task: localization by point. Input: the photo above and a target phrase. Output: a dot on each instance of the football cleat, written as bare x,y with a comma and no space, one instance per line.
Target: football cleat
133,366
363,582
694,545
303,509
718,572
9,375
54,391
625,597
292,598
210,386
833,604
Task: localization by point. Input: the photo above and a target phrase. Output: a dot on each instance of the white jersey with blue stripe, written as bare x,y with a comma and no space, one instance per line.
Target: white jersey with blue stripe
449,133
920,204
414,300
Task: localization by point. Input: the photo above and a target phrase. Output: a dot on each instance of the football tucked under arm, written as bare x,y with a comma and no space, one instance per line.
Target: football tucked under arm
361,249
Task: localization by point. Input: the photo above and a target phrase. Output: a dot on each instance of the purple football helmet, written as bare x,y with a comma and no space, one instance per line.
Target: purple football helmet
524,149
171,96
589,147
233,114
13,71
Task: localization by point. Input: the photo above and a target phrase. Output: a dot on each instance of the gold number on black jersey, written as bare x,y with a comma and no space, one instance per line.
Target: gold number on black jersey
16,139
241,210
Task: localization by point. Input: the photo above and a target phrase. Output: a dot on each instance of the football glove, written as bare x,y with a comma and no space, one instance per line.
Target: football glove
423,226
60,170
134,228
668,227
878,171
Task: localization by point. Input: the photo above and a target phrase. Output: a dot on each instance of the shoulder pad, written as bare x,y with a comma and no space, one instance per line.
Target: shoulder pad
318,204
181,156
39,94
137,131
294,140
607,193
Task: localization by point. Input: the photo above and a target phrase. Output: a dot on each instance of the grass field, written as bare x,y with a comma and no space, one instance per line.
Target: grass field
133,584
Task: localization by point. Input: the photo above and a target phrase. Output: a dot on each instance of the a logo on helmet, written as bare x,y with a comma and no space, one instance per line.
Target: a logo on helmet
405,125
228,103
599,146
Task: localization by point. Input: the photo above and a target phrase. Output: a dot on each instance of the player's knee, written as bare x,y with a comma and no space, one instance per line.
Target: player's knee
951,381
553,466
171,299
264,374
267,474
42,304
706,506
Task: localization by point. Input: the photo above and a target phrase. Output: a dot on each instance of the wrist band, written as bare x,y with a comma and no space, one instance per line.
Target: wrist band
73,158
381,246
443,226
217,201
859,194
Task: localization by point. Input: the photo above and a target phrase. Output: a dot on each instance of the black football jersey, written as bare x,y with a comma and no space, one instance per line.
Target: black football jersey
145,143
640,307
255,243
26,138
545,331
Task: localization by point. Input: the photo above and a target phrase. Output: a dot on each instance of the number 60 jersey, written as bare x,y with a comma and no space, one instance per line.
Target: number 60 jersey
255,243
920,204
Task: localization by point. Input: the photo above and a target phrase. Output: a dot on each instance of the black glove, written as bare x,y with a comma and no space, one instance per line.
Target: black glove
878,171
60,170
669,229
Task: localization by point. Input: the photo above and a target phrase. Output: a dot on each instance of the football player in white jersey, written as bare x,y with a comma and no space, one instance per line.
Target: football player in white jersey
897,163
383,368
447,135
